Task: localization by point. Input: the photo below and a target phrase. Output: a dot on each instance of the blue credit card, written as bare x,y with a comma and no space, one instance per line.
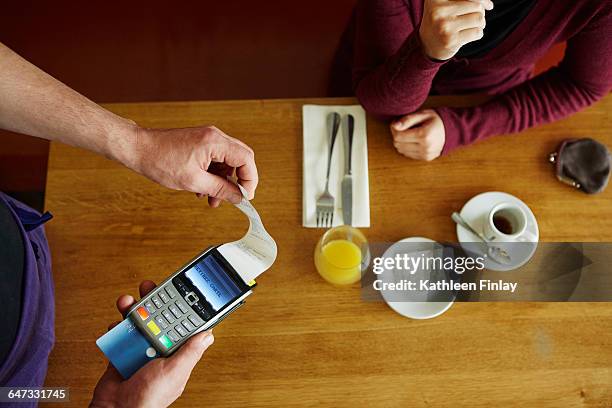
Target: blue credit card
126,348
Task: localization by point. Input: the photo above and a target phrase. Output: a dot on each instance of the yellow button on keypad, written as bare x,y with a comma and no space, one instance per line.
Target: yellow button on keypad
153,327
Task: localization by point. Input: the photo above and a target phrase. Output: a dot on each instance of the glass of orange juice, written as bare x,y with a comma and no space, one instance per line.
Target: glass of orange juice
341,255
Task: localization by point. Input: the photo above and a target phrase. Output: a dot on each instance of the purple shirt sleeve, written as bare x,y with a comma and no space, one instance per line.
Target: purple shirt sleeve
386,33
583,77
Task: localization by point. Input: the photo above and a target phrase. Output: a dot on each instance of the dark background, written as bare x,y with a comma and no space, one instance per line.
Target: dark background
133,51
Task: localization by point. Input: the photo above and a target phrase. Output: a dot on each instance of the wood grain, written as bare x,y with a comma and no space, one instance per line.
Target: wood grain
300,341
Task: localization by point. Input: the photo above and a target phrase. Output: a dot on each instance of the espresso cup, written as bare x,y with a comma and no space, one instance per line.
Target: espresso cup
507,222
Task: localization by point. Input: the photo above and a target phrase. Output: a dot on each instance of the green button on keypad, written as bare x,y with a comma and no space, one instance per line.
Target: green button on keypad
165,341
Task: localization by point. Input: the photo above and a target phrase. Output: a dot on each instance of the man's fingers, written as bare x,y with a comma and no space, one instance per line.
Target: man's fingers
145,287
218,187
243,159
221,170
249,184
410,120
214,202
185,358
124,303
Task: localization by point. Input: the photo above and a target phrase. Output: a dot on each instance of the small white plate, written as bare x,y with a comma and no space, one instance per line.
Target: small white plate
475,213
415,310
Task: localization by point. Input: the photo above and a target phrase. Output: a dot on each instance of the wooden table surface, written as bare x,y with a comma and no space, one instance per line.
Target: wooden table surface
300,341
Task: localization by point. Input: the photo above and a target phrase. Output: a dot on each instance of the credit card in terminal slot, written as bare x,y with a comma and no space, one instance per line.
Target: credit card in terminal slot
126,348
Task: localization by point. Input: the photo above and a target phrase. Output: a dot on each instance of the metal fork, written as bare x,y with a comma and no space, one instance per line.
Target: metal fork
325,203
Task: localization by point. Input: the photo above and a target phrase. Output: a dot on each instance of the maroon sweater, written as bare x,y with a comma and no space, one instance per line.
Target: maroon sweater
392,76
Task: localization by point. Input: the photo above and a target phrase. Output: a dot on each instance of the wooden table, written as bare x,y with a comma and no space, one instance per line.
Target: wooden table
300,341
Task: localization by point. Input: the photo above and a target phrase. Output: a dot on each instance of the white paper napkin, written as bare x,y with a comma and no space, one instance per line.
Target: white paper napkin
316,147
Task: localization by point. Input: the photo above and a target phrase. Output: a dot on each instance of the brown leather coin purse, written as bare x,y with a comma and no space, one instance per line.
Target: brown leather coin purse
583,164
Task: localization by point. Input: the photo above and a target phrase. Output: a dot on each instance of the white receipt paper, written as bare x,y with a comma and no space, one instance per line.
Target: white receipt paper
254,253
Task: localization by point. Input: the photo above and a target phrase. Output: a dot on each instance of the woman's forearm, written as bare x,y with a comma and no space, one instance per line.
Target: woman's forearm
544,99
583,77
401,84
34,103
391,74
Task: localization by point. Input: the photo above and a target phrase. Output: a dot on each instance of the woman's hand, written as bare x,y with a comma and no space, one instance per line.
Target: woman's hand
419,135
447,25
161,381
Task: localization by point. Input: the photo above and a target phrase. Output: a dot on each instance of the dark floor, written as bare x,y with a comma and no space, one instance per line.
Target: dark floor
149,51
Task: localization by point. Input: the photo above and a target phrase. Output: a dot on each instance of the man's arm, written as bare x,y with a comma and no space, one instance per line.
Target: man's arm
194,159
34,103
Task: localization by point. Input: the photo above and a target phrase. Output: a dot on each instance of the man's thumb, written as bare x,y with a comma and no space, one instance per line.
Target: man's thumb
191,352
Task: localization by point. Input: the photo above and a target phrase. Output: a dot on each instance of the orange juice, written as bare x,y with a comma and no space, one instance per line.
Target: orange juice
339,261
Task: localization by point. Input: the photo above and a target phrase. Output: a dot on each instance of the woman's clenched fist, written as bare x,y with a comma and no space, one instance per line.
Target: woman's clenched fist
448,25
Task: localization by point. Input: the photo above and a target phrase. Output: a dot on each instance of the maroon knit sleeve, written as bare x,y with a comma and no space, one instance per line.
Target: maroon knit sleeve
583,77
389,59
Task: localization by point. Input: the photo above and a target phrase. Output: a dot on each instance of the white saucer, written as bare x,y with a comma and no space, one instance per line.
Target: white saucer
475,213
414,310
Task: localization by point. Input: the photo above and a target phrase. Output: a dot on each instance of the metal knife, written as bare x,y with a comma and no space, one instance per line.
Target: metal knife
347,180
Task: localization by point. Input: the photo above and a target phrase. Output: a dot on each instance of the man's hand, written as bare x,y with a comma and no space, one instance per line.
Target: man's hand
419,135
194,159
161,381
447,25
